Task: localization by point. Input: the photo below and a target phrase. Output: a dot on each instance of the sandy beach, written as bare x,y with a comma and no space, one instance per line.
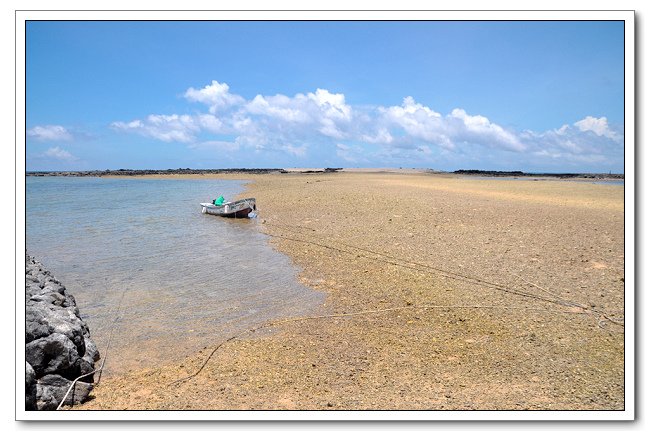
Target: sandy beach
441,293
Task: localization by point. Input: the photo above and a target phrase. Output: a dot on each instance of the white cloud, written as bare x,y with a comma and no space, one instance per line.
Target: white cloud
280,107
211,123
479,129
332,104
422,124
58,153
599,126
418,121
575,143
215,95
562,130
351,154
168,128
571,157
412,130
300,151
410,107
382,136
49,133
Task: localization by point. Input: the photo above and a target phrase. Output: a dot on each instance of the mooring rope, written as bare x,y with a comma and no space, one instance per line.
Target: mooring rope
350,314
448,274
105,356
555,299
396,261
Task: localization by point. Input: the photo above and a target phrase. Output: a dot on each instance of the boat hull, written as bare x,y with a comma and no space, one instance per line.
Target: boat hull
239,209
240,213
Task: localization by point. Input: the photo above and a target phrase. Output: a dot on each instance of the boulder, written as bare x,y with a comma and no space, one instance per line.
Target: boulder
30,387
51,389
42,319
58,347
51,354
92,353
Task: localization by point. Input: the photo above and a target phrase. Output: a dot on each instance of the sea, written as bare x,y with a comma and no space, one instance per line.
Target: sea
154,278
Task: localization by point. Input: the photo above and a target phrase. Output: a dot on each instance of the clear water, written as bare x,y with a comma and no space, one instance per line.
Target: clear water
141,250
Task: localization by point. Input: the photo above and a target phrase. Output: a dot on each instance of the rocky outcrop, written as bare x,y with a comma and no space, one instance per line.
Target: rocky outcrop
58,347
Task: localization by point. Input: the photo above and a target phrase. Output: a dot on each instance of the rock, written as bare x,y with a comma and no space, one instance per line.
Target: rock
85,367
30,375
42,319
92,353
58,344
32,290
54,353
30,387
35,322
54,285
51,389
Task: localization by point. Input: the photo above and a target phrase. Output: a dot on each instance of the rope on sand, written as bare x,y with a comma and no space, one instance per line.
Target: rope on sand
385,258
350,314
416,266
101,368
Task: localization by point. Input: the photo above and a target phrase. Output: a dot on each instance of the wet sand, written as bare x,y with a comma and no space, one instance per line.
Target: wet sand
475,294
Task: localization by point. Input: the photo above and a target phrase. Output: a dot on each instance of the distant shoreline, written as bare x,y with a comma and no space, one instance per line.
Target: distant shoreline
514,174
188,171
178,171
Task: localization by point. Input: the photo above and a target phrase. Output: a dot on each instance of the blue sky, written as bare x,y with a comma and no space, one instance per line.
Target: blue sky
532,96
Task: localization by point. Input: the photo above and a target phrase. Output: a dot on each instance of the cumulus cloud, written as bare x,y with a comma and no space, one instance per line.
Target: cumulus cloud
599,126
58,154
323,119
575,143
49,133
168,128
380,136
422,124
215,95
417,121
281,107
479,129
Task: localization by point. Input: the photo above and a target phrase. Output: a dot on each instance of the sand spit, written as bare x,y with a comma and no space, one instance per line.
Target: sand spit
493,295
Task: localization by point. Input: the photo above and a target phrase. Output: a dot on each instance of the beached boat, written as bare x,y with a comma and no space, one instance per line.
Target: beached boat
240,208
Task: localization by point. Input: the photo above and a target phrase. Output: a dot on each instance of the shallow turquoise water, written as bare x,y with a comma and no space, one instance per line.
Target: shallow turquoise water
141,250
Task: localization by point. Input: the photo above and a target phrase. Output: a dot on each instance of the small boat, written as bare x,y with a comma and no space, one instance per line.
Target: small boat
240,208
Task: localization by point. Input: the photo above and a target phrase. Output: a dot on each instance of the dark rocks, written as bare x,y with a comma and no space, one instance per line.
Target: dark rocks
51,389
495,173
51,354
58,345
30,387
169,171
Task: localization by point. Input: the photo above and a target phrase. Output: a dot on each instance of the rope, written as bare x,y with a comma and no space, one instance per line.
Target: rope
445,273
350,314
101,368
455,276
449,274
555,299
75,382
578,305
